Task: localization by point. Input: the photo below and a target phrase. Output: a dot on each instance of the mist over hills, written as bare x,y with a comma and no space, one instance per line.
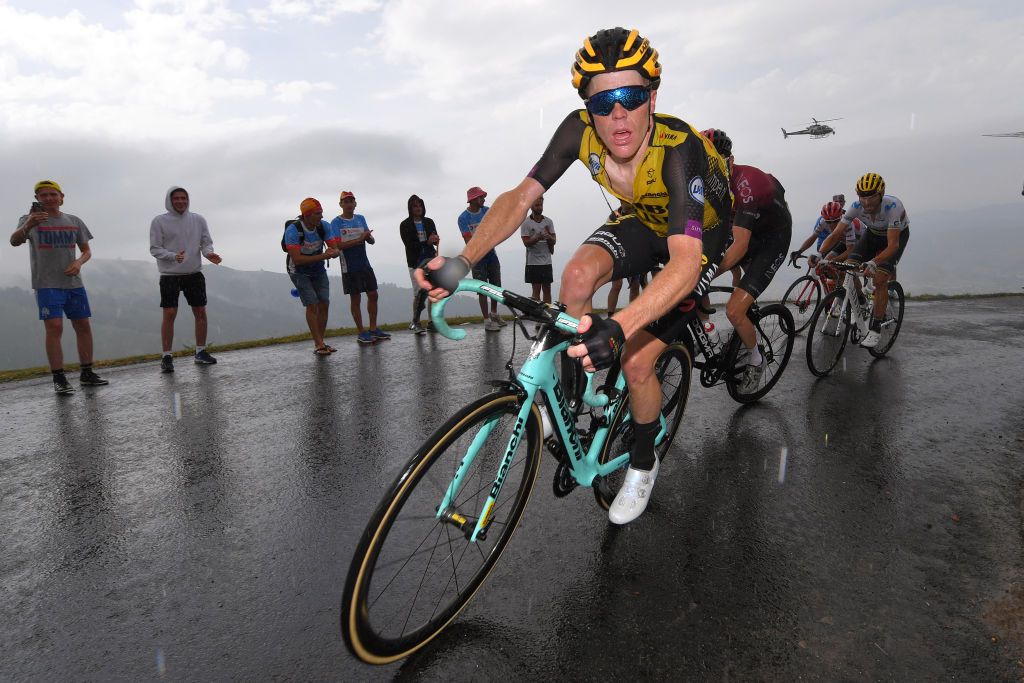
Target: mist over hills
950,252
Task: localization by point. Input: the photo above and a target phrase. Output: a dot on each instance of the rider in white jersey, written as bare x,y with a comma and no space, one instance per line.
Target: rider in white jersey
887,231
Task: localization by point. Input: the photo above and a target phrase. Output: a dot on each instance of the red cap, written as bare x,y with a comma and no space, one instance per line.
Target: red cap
474,192
345,194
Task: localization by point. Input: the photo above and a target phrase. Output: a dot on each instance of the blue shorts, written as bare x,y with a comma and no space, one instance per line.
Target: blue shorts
313,289
56,303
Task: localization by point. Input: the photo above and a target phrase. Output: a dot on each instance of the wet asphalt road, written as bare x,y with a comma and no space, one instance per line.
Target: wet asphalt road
198,526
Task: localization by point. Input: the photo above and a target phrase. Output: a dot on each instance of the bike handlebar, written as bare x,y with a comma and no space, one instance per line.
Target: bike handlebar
531,307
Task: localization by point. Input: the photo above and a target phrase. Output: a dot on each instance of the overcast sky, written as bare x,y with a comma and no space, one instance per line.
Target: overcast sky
253,106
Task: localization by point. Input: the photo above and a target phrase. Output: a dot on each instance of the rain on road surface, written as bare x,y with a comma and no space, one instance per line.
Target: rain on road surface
198,526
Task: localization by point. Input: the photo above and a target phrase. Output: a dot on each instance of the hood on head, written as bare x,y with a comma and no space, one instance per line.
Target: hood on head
167,199
415,198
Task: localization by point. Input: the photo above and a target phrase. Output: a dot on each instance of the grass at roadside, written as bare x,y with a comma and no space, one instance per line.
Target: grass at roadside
42,371
29,373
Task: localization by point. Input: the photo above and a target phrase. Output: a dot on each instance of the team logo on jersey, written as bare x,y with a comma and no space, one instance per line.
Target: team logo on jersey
594,162
697,189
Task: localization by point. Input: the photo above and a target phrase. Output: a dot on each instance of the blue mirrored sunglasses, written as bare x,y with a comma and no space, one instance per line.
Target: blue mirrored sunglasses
629,96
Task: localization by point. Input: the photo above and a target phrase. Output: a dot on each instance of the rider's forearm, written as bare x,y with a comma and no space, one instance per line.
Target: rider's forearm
676,280
833,239
502,219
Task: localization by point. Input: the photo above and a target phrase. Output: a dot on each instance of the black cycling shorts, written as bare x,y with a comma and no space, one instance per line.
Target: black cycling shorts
870,245
192,285
636,249
766,252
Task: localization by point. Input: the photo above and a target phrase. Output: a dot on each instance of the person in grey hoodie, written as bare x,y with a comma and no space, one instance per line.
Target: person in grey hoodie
178,240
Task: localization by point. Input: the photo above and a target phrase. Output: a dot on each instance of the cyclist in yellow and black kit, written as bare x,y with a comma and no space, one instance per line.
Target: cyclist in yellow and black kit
680,189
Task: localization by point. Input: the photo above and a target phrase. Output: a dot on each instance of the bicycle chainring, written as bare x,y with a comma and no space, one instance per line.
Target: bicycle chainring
564,483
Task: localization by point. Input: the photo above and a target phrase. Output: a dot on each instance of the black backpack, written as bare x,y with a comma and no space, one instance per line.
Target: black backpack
302,236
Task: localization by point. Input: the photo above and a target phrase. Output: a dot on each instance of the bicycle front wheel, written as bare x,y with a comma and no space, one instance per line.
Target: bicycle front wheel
673,368
801,299
415,567
775,337
827,333
892,322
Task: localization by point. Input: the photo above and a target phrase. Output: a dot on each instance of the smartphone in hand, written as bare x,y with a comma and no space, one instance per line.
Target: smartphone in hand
37,208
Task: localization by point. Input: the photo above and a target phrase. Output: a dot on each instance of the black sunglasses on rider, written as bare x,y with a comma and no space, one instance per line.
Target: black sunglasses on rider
629,96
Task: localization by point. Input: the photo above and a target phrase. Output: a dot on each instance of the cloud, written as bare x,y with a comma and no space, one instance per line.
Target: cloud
319,11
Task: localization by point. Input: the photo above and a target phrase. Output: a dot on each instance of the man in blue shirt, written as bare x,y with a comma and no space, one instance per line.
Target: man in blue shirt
307,252
488,268
356,273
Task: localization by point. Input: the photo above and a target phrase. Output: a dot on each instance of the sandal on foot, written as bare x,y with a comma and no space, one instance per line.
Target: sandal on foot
322,351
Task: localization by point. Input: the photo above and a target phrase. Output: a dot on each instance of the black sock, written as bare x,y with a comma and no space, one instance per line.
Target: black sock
876,324
85,367
58,373
642,456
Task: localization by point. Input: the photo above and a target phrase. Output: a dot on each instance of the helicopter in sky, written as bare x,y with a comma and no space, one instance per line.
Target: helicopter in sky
816,129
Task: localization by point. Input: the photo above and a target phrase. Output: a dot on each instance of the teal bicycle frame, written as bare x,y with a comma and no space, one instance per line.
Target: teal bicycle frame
538,374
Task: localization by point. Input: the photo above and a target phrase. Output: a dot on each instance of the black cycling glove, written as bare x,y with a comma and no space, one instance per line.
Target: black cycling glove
604,341
448,275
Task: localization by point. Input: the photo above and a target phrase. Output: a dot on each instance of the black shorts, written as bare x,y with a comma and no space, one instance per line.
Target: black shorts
765,253
539,275
359,282
636,249
870,245
193,285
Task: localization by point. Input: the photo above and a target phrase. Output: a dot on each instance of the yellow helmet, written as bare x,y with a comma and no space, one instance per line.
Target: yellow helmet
615,49
870,183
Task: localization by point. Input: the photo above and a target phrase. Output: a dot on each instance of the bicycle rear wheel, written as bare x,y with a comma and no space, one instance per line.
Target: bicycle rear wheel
892,322
827,333
801,299
413,570
775,338
673,368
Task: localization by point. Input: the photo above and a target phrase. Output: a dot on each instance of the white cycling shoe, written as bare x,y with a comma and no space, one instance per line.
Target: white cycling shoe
631,500
871,339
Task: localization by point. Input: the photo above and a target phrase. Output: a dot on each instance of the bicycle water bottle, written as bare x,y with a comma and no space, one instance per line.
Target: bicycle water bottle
713,335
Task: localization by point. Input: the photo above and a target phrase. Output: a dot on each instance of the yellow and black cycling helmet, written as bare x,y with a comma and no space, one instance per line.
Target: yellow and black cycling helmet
870,183
615,49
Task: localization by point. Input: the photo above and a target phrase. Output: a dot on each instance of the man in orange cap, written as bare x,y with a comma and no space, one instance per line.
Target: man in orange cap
488,268
311,241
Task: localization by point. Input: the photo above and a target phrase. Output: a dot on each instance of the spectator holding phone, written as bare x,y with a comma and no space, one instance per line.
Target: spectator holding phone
54,239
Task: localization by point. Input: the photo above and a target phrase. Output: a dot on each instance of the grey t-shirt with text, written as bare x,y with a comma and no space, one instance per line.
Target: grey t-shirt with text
52,247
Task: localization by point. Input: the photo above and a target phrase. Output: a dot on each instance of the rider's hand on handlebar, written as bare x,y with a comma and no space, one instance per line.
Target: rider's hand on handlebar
444,275
870,268
813,259
601,342
793,256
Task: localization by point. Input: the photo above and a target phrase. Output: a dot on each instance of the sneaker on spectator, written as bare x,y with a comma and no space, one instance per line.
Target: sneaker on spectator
415,326
491,326
365,338
167,363
61,385
204,358
379,334
88,378
497,319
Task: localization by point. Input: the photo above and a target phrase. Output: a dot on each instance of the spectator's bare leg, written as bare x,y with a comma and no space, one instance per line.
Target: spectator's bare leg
54,353
355,306
200,313
371,308
167,329
83,338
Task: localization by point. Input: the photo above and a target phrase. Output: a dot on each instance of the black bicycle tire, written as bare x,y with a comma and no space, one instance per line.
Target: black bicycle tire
786,320
795,285
678,398
879,351
357,632
826,304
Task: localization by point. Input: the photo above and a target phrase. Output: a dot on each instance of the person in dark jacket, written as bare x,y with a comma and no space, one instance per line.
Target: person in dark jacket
419,235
